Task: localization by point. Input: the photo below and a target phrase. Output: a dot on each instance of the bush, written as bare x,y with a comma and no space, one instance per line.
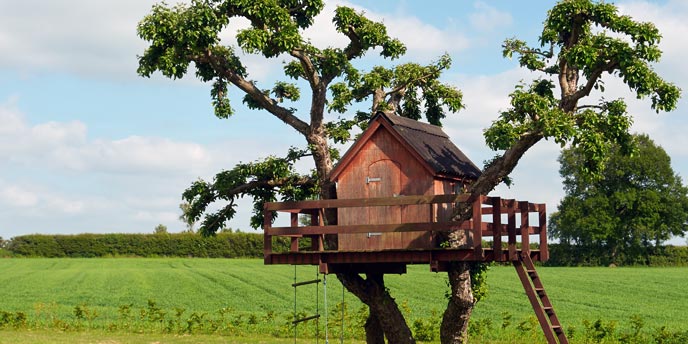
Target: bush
574,255
223,245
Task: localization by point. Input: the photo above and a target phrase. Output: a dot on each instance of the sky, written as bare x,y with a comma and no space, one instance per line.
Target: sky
88,146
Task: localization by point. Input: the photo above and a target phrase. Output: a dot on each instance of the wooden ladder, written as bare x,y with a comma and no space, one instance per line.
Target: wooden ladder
539,300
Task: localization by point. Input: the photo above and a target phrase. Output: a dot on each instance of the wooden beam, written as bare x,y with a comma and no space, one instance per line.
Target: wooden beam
267,238
544,250
350,229
511,228
366,202
496,224
525,232
477,226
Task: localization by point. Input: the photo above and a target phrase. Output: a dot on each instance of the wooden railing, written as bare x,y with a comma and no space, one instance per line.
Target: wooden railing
486,222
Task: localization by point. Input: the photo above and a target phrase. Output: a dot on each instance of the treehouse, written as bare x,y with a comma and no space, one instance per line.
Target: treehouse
398,156
398,187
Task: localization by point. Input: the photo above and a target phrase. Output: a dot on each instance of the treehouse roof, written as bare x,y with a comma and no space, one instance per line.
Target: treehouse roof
428,143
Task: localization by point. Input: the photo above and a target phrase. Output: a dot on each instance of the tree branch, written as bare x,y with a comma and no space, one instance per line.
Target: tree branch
497,171
244,188
354,48
308,67
218,63
594,76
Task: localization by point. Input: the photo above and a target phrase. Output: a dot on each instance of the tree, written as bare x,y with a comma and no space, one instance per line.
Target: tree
188,221
184,34
636,204
581,42
160,229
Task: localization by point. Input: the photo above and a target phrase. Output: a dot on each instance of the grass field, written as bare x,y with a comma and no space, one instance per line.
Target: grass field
52,288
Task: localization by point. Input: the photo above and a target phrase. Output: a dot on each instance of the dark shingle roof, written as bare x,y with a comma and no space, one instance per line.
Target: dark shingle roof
434,146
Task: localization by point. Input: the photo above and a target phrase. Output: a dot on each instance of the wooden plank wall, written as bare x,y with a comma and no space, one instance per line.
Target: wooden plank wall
414,180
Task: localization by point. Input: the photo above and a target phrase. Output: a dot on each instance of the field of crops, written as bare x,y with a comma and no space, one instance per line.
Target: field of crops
116,294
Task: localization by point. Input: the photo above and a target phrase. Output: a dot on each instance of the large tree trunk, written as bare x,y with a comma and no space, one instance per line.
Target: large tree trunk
373,293
454,328
373,330
385,318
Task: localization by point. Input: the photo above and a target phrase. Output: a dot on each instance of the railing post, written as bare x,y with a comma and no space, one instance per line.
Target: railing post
511,228
294,240
317,219
525,223
497,228
267,238
544,250
478,227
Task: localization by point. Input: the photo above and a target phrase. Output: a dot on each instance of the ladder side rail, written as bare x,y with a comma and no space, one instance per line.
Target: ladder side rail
546,303
535,302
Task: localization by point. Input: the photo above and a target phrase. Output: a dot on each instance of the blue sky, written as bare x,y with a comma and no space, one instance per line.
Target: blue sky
88,146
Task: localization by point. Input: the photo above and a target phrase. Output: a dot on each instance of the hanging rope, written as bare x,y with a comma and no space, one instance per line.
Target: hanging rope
317,307
341,333
327,341
294,303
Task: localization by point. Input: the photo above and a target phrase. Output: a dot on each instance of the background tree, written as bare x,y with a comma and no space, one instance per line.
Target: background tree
575,51
160,229
636,204
188,221
582,41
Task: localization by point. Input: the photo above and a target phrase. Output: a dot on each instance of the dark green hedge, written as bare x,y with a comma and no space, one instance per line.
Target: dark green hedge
223,245
572,255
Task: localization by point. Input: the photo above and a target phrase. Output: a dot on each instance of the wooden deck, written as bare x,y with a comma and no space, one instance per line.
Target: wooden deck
493,219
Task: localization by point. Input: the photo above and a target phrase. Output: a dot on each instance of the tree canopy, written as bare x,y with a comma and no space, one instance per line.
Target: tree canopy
636,204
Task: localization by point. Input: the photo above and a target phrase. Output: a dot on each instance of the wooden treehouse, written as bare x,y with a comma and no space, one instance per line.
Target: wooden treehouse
397,188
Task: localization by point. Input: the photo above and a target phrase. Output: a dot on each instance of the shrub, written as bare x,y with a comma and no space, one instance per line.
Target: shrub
222,245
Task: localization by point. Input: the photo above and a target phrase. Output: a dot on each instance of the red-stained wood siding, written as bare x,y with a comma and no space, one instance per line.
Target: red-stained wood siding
399,173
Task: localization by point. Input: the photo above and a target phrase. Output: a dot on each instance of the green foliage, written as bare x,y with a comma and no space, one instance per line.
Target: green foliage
582,40
479,280
223,245
119,290
189,33
160,229
407,85
624,216
264,181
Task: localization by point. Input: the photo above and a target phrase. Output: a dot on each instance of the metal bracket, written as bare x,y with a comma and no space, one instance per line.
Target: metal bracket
370,180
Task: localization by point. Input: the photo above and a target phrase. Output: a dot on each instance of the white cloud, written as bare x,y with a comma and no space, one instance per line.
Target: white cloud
488,18
17,197
66,146
421,39
75,36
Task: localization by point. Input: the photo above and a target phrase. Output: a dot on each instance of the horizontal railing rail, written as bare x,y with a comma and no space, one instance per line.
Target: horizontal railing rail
487,221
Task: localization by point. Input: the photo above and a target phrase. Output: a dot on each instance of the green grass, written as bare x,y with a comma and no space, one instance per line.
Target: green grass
46,288
90,337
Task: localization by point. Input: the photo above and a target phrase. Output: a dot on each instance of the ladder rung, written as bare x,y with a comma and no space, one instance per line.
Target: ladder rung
540,291
305,283
306,319
549,310
557,329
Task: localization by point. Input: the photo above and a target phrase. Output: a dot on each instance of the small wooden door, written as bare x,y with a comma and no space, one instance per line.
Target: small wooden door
383,180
